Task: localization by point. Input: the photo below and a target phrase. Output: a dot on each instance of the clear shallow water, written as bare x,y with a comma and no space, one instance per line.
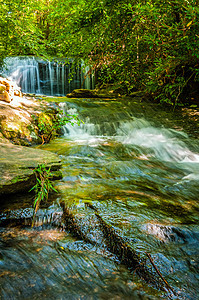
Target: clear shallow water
40,264
142,177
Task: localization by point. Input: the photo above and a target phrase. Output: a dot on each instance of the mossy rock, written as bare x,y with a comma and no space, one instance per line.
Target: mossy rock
18,164
44,122
20,133
82,93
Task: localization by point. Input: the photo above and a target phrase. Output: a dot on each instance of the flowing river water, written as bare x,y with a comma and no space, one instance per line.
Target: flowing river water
126,209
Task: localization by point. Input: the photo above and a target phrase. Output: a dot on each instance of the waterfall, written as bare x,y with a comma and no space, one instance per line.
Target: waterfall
37,76
25,72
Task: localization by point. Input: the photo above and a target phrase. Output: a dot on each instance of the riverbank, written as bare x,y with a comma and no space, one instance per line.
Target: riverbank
19,131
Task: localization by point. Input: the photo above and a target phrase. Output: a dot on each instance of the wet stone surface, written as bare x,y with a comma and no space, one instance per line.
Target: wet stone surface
18,164
40,264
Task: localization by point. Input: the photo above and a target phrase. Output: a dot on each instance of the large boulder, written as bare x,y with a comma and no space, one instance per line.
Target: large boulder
18,119
4,95
102,93
16,122
18,164
82,93
8,90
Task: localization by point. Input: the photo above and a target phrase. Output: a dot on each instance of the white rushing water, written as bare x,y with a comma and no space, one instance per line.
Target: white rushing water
161,143
165,144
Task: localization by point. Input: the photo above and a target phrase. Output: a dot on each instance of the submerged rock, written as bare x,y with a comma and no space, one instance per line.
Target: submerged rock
87,224
18,164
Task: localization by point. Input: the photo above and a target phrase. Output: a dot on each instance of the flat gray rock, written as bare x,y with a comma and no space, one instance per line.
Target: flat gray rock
17,164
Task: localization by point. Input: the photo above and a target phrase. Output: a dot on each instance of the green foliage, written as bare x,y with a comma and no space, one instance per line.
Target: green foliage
20,34
42,187
49,124
133,44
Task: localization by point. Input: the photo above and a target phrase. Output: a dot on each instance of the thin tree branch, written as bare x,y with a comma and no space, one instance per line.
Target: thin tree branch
152,262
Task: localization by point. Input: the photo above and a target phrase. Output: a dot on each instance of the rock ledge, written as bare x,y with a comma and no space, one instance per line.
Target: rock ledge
18,164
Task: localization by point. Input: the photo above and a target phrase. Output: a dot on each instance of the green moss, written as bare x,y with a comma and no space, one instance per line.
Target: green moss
17,179
54,99
45,126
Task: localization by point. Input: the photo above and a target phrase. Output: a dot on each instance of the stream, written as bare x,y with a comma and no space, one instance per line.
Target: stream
130,181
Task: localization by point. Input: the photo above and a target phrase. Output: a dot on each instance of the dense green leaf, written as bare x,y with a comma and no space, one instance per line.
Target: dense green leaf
133,44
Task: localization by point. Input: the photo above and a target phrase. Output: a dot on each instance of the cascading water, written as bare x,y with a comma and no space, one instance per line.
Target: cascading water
123,168
37,76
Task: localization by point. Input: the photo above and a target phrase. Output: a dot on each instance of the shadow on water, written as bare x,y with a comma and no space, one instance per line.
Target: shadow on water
127,207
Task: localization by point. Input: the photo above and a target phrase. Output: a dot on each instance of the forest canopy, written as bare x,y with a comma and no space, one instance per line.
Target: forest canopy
151,45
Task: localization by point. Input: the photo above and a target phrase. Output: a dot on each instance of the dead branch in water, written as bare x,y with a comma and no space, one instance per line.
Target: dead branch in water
158,272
